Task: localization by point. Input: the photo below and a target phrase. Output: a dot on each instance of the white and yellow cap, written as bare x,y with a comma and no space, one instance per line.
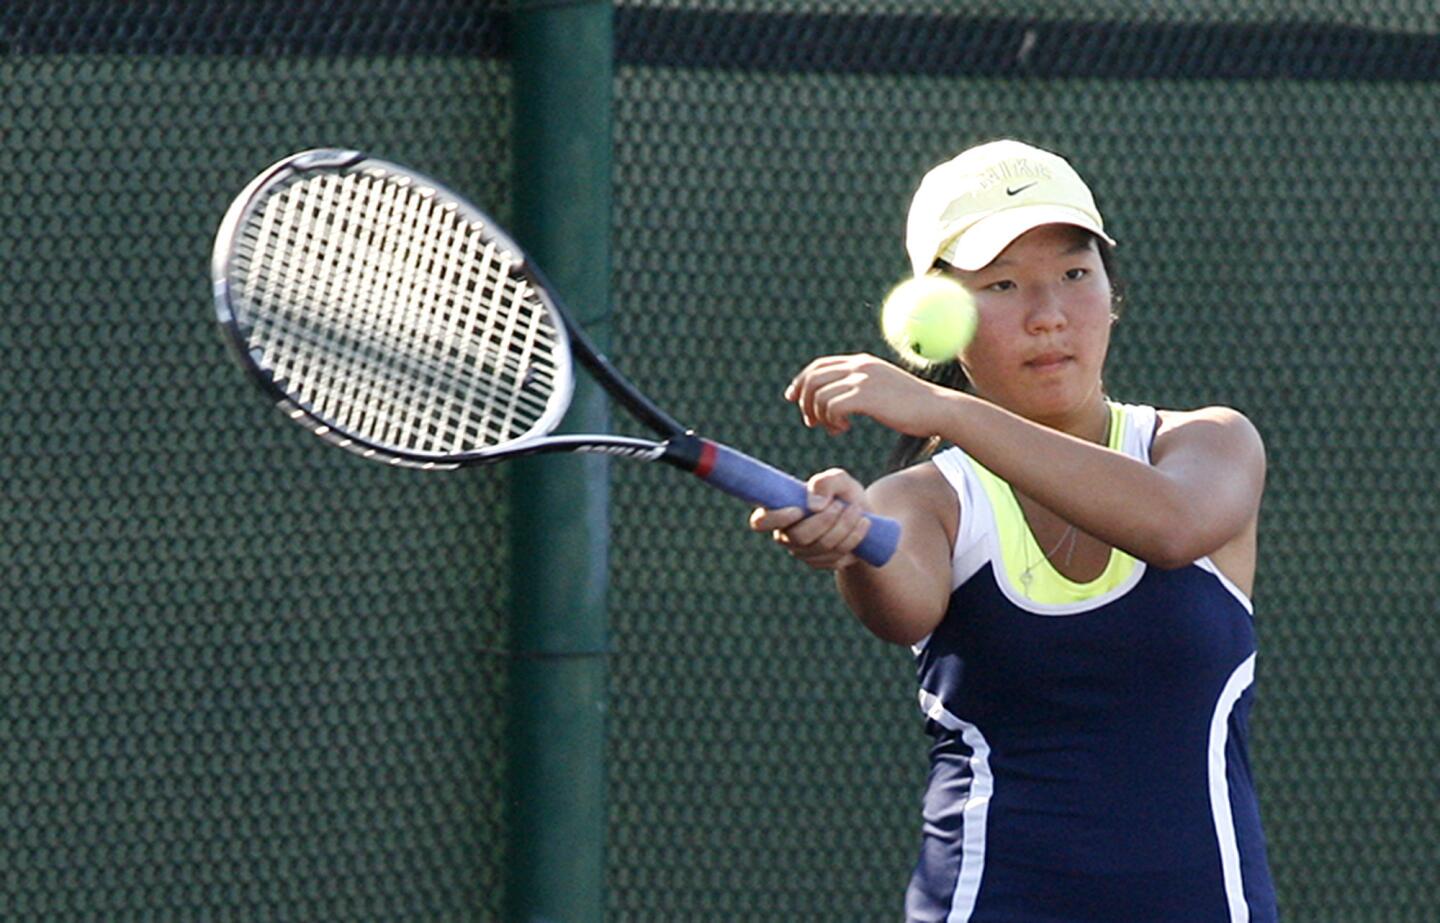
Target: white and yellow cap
968,209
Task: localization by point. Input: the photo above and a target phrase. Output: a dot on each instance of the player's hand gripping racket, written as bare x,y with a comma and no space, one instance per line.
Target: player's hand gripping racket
395,319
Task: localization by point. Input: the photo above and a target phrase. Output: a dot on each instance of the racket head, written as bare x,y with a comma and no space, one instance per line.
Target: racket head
389,315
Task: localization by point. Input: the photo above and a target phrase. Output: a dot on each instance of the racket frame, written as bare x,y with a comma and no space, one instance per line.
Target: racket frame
719,465
677,447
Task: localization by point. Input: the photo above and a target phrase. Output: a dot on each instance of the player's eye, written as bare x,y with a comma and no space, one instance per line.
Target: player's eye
1076,274
1004,285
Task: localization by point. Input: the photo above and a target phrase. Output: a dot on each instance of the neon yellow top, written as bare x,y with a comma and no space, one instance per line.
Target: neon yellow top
1030,572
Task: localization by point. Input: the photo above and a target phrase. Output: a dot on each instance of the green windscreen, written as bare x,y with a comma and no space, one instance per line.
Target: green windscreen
245,676
242,676
1268,172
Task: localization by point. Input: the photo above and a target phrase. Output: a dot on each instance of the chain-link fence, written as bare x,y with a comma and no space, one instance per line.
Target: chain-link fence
245,677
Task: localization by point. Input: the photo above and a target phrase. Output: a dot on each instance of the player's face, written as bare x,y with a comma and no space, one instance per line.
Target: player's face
1044,328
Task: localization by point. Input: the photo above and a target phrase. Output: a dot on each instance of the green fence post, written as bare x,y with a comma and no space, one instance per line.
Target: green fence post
562,59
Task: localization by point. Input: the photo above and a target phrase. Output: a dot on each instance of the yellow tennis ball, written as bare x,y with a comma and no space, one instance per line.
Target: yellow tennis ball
928,319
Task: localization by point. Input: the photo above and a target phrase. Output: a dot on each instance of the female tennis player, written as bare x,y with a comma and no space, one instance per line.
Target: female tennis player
1074,577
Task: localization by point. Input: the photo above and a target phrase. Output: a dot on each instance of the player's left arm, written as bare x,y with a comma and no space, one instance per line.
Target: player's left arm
1200,490
1214,462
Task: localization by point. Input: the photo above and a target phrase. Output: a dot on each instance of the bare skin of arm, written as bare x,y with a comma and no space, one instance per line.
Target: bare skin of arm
1199,496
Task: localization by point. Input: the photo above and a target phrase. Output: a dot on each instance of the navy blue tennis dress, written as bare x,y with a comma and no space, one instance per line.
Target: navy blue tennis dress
1089,759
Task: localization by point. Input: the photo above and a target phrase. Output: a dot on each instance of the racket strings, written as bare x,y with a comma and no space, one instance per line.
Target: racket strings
380,309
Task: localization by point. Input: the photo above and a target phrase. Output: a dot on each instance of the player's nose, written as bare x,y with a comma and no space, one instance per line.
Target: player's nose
1045,312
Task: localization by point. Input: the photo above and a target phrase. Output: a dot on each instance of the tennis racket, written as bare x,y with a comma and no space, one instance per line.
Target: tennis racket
395,319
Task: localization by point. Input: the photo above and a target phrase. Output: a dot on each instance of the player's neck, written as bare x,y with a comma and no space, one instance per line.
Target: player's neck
1091,423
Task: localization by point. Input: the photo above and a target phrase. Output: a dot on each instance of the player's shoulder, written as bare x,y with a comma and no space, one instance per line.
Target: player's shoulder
919,489
1217,424
1215,414
920,478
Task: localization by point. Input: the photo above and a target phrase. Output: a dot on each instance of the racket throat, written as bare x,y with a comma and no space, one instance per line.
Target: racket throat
689,452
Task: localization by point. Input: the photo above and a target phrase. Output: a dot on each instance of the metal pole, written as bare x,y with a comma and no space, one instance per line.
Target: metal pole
562,65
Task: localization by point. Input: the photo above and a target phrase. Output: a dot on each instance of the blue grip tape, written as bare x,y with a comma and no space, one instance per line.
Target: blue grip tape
756,482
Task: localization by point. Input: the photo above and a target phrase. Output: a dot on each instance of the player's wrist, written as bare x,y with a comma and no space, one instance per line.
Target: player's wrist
939,410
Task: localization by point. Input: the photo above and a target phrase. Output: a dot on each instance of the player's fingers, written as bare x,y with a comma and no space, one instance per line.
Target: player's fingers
826,540
826,534
796,385
801,392
845,532
768,520
829,525
816,406
835,402
817,374
808,530
830,392
838,484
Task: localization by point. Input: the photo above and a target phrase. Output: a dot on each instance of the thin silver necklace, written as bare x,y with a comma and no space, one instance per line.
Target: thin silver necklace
1070,533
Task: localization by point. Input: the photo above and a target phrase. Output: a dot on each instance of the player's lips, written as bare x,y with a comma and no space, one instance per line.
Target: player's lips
1047,360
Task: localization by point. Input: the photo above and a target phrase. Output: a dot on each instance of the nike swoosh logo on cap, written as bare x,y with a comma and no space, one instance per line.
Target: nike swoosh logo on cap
1019,189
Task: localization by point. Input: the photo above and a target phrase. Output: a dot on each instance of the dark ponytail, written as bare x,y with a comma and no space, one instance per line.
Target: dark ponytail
910,450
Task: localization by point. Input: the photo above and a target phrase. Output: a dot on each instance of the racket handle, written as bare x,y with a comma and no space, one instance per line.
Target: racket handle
750,479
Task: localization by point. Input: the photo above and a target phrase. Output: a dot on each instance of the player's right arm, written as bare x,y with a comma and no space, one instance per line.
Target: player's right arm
905,600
